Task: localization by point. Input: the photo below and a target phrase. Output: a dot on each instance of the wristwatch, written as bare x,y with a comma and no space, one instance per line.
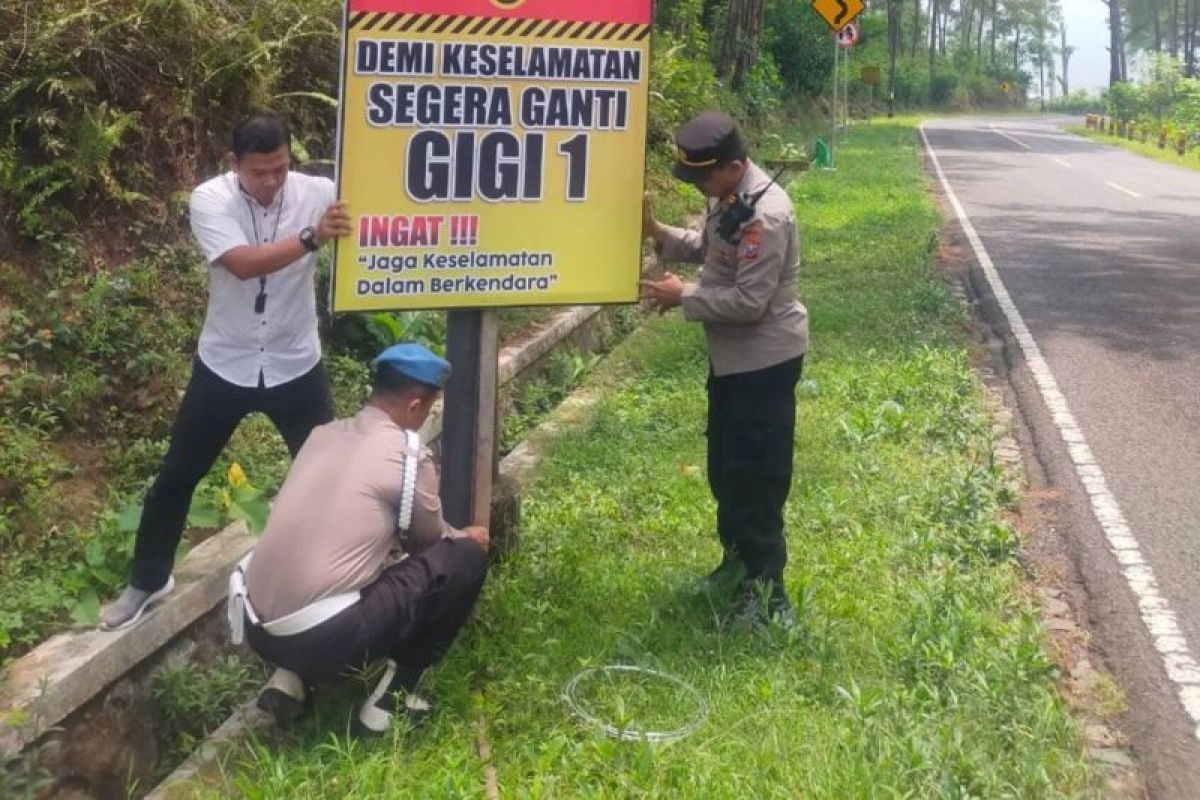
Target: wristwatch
308,238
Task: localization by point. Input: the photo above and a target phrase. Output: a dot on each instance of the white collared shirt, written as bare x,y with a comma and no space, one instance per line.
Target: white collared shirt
280,344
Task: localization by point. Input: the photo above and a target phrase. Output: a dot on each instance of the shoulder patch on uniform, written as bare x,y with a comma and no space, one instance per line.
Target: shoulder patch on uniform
751,244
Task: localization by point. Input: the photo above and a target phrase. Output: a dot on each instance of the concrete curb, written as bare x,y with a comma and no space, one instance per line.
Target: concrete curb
44,687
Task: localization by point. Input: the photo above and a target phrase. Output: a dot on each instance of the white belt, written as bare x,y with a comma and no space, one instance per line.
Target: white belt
314,614
298,621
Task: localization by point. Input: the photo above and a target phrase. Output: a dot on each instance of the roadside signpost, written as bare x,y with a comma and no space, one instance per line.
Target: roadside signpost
846,38
838,15
872,78
491,153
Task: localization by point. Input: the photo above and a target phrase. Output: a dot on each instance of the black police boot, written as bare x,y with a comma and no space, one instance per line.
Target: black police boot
728,574
762,602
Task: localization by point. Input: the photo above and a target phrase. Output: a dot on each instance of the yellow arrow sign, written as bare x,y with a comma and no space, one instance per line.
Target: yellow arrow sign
838,13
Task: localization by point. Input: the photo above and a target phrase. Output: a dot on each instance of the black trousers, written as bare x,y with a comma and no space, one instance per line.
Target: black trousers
751,426
208,415
410,613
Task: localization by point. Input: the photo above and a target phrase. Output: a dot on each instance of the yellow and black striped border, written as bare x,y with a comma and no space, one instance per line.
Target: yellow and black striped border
395,22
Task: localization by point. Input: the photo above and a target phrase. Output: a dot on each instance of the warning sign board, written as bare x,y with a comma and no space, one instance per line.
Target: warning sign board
491,152
838,13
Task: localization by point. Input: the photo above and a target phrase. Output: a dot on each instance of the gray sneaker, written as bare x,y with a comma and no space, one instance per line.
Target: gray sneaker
129,607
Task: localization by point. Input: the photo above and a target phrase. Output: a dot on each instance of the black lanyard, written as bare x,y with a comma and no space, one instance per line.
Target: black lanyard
260,300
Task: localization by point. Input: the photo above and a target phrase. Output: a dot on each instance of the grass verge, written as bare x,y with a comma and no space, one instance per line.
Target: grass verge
1150,149
917,670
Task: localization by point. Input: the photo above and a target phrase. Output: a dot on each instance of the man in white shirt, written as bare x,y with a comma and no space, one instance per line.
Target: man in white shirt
259,226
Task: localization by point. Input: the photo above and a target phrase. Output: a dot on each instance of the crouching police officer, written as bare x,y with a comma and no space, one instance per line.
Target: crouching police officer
320,594
757,334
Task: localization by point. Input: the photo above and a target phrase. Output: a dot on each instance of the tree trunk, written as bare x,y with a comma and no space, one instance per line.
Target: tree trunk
1157,26
1116,46
1190,11
979,34
916,37
1173,39
739,50
966,23
1042,81
993,33
933,20
1065,52
1016,49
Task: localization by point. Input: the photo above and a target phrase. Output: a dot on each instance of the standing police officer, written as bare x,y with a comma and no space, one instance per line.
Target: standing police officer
757,333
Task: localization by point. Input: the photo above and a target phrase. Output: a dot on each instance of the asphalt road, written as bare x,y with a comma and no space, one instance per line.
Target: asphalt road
1099,250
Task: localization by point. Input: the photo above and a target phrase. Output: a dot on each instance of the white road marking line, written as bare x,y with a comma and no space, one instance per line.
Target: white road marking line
1157,616
1058,160
1120,188
1010,138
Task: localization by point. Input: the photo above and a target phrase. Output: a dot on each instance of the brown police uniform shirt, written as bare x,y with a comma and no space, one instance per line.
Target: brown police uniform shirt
746,296
333,523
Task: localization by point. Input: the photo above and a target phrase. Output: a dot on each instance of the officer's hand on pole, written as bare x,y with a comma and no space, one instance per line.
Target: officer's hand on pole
334,222
479,535
665,293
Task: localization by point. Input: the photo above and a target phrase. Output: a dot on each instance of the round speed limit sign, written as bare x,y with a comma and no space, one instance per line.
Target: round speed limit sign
848,35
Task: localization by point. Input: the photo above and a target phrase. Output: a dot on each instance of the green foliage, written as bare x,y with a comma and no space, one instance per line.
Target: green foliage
1162,98
1123,101
190,699
1079,102
798,43
536,397
85,83
681,83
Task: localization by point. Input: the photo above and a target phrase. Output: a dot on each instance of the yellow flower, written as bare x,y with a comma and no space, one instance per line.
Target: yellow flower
237,478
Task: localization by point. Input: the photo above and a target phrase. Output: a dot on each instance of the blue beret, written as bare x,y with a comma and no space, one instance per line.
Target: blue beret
415,361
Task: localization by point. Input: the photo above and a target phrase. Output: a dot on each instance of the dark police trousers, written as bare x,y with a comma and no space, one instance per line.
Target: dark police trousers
208,415
411,613
751,426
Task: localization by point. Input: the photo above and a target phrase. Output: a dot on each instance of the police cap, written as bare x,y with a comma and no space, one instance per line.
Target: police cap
710,140
415,361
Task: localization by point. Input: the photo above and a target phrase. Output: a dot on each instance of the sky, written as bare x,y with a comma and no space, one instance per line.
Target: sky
1087,32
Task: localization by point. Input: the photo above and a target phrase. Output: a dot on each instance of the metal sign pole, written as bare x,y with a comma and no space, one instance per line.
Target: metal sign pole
846,90
469,422
833,106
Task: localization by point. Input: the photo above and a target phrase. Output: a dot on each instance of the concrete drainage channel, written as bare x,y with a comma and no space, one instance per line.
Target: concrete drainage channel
76,713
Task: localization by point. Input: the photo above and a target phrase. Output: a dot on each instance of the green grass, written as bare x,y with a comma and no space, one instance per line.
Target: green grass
1150,149
917,669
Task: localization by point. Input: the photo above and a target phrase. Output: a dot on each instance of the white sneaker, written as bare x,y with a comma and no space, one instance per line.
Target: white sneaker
379,709
283,697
